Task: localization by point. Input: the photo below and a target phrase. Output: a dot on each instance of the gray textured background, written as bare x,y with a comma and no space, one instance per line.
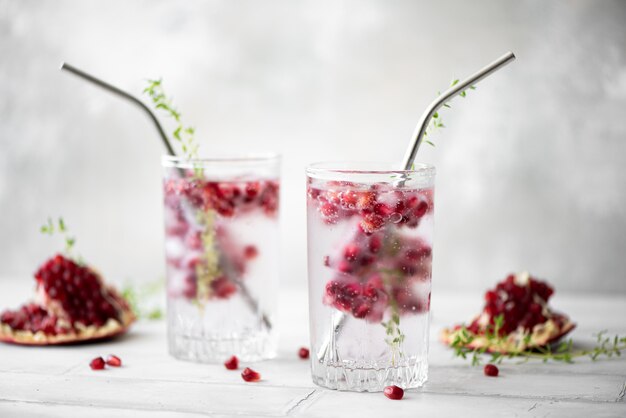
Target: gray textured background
531,168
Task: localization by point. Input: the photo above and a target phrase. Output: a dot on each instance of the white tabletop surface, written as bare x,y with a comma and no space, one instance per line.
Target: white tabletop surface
57,381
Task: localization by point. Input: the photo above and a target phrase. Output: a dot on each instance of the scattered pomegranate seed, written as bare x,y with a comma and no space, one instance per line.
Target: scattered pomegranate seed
394,392
97,364
491,370
303,353
114,361
250,375
232,363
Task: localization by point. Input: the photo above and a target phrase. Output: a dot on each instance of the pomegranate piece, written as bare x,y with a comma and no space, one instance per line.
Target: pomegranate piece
491,370
394,392
97,364
303,353
250,375
72,304
232,363
114,361
517,308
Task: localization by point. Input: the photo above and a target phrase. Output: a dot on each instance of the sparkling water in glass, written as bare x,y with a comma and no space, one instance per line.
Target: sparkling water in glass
221,252
370,236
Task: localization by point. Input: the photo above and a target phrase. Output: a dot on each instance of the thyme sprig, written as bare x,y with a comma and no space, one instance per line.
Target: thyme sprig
564,352
394,335
182,134
436,121
137,297
51,227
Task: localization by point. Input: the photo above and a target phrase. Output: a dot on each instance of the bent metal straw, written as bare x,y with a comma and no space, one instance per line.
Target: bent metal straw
247,297
339,318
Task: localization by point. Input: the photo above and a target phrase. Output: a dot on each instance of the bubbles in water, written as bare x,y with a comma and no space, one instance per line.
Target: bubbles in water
395,217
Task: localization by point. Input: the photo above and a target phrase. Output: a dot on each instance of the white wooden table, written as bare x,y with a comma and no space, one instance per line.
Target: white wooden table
57,381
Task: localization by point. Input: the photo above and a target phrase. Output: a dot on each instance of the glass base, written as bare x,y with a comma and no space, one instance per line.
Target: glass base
341,377
216,349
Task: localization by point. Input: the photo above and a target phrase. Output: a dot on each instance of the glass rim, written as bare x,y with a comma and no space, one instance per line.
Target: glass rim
366,167
178,161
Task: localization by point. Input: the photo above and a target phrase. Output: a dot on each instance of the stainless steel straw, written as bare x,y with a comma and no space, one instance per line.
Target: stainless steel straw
328,349
67,67
245,293
446,96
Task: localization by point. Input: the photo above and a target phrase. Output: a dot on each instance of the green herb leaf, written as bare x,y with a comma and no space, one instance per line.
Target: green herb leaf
184,135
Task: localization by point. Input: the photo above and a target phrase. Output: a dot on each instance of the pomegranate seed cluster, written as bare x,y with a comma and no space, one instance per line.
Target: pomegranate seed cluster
32,317
226,198
72,304
376,206
200,247
78,290
381,264
522,301
518,309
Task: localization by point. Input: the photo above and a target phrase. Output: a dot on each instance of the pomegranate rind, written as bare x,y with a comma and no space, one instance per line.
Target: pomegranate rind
79,333
542,335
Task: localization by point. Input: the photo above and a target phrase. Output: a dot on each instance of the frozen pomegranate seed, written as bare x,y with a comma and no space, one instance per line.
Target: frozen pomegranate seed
491,370
250,252
345,267
250,375
375,244
232,363
361,310
421,209
394,392
329,210
351,252
114,361
382,210
371,223
303,353
97,364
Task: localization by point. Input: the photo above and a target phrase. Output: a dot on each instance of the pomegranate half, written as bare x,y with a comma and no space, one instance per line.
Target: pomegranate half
72,304
527,320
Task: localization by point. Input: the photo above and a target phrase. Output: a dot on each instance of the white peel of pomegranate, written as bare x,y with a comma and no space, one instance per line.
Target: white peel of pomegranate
72,304
527,321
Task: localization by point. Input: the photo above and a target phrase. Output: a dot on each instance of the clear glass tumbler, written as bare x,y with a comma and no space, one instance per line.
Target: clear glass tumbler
221,252
370,235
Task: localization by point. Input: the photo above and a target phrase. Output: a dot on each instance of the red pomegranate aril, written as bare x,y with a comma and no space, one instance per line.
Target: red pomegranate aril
232,363
491,370
250,252
382,210
374,244
394,392
97,363
223,287
371,223
366,200
361,310
351,252
303,353
345,267
250,375
114,361
328,210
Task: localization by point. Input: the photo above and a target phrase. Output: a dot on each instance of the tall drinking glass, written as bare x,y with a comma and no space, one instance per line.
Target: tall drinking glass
221,252
370,236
